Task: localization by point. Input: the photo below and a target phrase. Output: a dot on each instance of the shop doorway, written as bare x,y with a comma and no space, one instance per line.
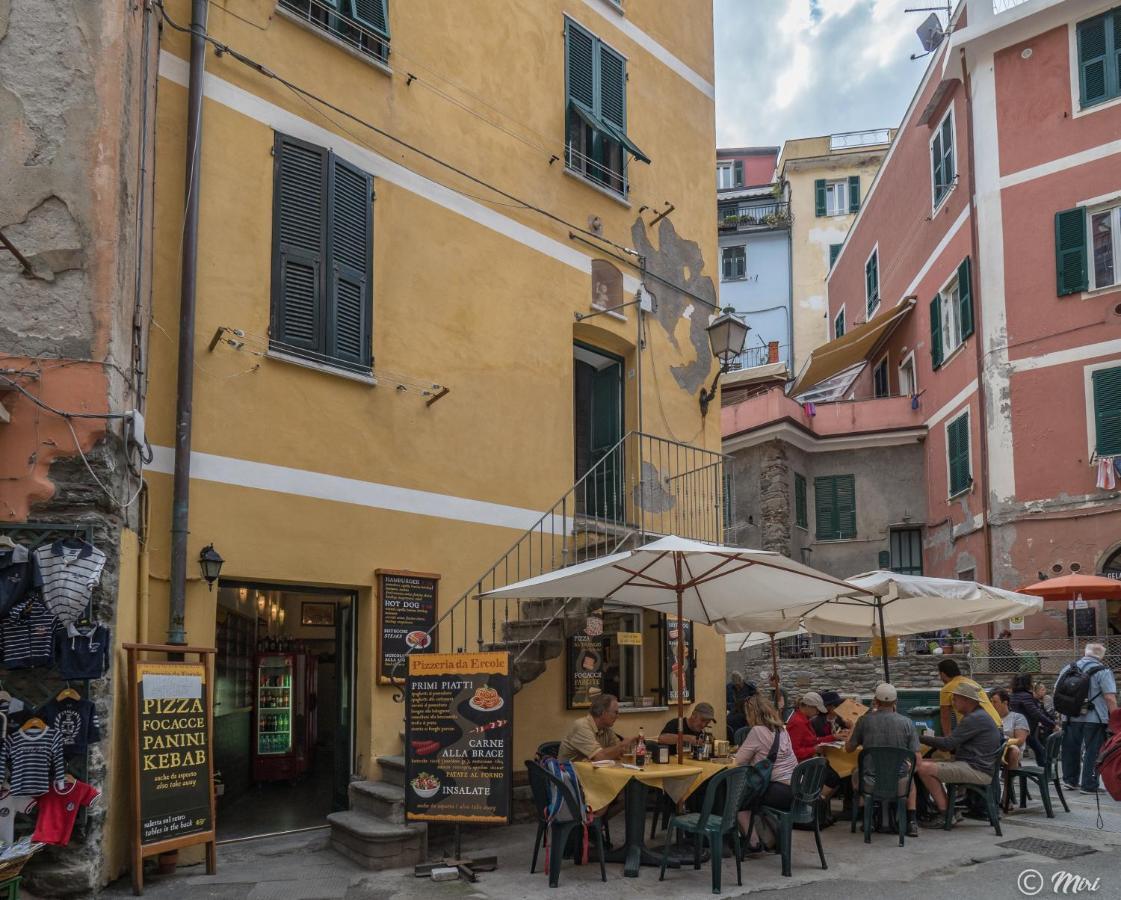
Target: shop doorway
598,428
284,707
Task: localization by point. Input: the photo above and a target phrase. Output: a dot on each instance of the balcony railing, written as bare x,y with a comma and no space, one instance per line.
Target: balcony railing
323,15
757,216
758,356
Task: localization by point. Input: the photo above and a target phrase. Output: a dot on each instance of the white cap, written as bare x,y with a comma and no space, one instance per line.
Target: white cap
886,693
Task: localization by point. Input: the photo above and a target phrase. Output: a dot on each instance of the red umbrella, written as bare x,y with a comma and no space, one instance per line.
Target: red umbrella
1075,587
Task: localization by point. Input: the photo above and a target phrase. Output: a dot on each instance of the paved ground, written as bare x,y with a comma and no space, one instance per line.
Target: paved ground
967,861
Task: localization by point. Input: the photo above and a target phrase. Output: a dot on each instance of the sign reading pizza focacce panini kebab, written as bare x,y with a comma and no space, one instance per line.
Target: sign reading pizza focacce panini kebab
407,614
459,737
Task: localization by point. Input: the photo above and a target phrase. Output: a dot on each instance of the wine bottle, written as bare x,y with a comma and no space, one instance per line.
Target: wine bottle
640,750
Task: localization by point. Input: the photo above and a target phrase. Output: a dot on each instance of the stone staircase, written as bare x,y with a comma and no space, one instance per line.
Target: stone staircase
373,832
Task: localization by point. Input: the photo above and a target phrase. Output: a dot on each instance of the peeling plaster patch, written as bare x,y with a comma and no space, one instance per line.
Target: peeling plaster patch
649,495
964,562
814,302
679,261
827,236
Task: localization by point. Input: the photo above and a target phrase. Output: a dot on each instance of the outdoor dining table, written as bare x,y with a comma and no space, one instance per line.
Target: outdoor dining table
602,784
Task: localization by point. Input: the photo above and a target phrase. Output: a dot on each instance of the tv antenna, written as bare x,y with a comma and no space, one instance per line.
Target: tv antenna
930,32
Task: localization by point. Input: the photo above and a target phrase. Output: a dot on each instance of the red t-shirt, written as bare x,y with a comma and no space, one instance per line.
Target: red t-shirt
58,809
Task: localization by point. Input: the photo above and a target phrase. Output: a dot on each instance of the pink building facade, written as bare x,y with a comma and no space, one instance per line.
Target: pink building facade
997,213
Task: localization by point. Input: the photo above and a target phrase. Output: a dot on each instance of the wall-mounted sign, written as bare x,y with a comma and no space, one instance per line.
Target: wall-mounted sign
678,630
407,608
459,712
629,638
172,754
1016,623
584,672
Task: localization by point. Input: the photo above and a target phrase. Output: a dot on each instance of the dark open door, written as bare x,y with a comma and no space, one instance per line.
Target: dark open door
344,723
598,429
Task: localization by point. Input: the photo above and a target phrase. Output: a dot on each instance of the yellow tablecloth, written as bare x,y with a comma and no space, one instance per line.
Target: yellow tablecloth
602,784
844,764
708,769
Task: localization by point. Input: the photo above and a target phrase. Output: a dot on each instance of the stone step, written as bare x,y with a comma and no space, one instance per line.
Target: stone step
393,769
529,629
379,798
376,844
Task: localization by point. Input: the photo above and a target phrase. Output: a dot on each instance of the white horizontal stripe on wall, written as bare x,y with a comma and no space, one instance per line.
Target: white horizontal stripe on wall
248,104
1061,164
319,486
964,394
1061,357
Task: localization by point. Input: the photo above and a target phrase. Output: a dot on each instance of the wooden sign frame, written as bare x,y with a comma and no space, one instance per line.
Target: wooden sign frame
380,599
141,850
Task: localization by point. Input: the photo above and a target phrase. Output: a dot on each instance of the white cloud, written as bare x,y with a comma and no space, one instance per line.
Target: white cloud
797,68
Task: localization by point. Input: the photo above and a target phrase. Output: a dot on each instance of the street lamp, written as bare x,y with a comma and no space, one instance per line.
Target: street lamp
726,336
211,564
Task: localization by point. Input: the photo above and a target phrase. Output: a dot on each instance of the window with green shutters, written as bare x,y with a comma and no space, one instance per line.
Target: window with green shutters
729,503
957,454
943,168
872,281
361,24
839,324
800,514
834,252
854,193
1107,411
1099,58
835,507
951,314
596,146
322,257
1087,249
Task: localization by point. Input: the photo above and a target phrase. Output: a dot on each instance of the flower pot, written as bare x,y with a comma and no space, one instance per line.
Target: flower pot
166,862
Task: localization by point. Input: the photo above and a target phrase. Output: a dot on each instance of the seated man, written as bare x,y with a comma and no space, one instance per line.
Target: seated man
884,727
1015,727
692,726
805,740
950,674
591,737
828,724
976,743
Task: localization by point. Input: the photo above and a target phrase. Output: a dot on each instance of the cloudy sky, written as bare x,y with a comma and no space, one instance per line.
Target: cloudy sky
798,68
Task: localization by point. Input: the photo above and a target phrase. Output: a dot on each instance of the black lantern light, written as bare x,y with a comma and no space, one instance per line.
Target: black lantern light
211,564
726,337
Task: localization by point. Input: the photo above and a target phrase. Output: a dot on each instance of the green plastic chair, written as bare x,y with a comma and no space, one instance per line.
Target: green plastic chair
559,832
1043,775
710,826
990,793
893,771
805,785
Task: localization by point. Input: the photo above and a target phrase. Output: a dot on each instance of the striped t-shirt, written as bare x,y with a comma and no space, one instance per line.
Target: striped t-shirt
31,761
27,635
68,571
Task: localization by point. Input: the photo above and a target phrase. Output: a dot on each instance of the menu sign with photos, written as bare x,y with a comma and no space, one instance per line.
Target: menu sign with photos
584,667
459,735
407,606
678,629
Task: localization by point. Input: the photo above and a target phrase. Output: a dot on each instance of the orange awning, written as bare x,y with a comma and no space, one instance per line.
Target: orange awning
851,348
1075,587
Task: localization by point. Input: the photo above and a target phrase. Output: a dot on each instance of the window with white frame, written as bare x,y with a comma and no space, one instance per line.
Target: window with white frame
1105,247
872,281
880,383
951,315
837,197
725,176
908,384
839,324
733,263
943,166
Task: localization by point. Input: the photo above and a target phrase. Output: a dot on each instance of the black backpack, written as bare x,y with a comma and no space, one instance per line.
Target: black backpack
1072,690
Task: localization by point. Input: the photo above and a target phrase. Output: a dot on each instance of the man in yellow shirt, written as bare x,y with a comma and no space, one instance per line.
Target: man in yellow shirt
950,673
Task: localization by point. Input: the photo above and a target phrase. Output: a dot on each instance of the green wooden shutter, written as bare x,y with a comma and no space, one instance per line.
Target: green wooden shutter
825,508
846,506
800,501
728,502
612,88
373,14
936,168
579,69
726,262
965,297
1107,411
1070,251
299,245
819,197
839,325
349,314
872,281
936,331
854,193
1093,68
834,250
957,438
947,153
737,173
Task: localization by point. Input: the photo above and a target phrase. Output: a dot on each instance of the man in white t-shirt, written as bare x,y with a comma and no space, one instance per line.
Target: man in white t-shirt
1015,728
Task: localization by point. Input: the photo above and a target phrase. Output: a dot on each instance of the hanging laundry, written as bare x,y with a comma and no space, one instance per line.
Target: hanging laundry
1117,466
68,571
27,635
16,711
16,576
10,804
31,761
81,651
914,401
810,409
1107,479
58,809
76,721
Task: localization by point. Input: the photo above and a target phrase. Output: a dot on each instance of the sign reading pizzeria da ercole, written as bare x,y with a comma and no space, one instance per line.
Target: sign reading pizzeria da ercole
406,615
459,734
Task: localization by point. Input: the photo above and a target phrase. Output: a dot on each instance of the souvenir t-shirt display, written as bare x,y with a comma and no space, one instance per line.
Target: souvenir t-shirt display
10,804
27,635
58,809
31,760
67,572
76,721
16,576
81,651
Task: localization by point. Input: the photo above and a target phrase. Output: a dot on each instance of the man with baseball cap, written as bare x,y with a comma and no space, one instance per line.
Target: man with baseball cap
976,743
828,723
884,727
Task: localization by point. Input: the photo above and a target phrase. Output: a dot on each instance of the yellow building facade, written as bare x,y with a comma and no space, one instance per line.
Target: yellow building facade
825,179
520,161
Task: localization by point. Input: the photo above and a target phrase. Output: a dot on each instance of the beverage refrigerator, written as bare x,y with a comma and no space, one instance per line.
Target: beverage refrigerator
284,720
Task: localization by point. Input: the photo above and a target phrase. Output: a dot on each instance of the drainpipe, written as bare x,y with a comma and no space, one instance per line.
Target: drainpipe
982,416
180,498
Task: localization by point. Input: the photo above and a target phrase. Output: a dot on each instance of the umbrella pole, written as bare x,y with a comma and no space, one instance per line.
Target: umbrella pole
680,679
774,659
883,638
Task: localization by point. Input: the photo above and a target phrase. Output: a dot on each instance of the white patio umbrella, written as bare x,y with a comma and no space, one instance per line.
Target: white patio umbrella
740,641
707,583
910,604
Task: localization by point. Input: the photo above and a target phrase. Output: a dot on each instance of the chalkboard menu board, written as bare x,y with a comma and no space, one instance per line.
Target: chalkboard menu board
678,630
459,737
584,669
406,614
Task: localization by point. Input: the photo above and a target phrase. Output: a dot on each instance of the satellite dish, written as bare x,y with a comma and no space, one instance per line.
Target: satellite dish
930,33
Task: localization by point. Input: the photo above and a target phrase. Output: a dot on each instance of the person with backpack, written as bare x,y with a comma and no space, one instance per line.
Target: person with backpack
766,747
1086,694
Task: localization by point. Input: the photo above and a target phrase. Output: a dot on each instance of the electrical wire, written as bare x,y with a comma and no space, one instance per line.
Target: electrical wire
58,412
89,468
